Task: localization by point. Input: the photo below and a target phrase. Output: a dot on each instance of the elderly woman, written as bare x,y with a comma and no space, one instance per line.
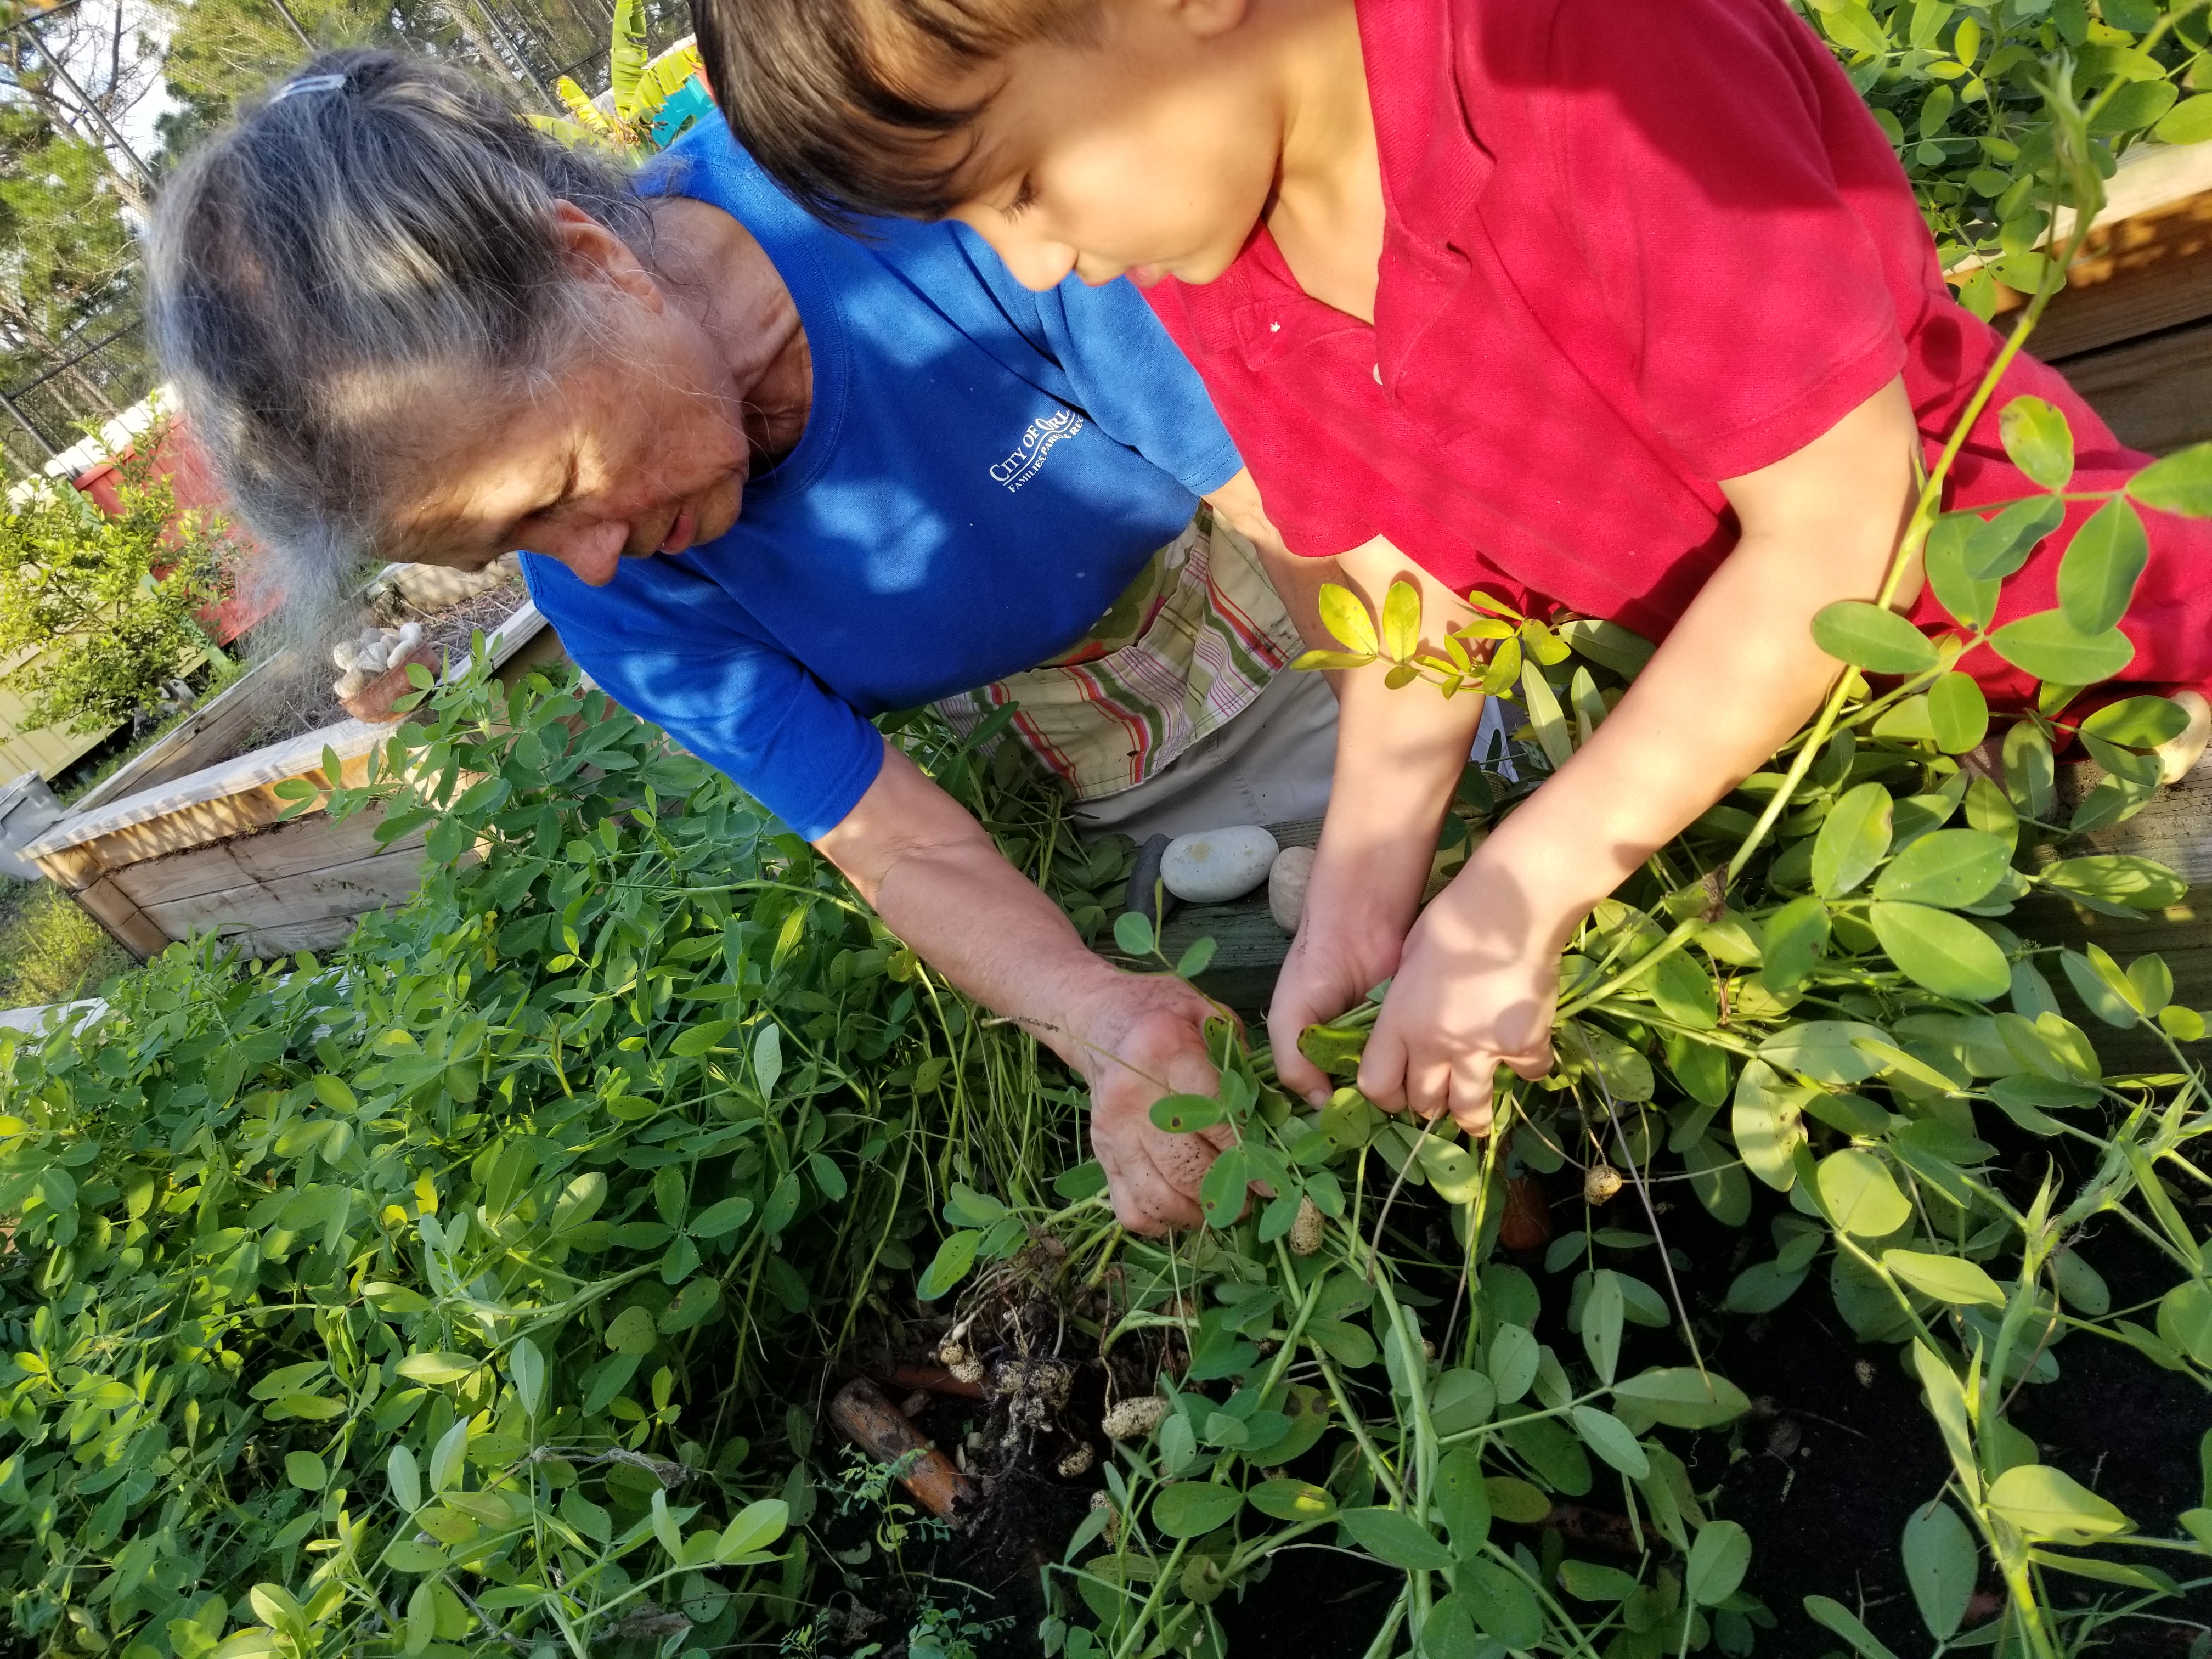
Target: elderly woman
770,481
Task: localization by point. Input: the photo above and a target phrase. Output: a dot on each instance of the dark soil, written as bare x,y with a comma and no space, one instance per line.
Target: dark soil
1835,1455
1839,1449
304,701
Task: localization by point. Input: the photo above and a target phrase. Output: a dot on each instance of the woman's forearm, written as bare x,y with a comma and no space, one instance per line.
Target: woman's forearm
939,883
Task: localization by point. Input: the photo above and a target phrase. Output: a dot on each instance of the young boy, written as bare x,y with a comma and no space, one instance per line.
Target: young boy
1622,305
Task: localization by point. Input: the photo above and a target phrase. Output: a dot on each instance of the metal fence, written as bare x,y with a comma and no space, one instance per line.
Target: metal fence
81,384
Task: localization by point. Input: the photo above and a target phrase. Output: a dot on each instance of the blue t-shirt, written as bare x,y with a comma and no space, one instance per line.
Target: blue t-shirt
984,470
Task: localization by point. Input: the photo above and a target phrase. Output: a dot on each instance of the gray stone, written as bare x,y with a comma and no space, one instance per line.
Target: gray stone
1215,866
1286,886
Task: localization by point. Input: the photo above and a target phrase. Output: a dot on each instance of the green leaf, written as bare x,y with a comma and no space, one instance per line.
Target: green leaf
2114,1004
954,1257
1947,868
1544,715
630,1332
2030,770
1870,637
1608,1436
768,1043
1971,599
1345,617
1852,840
2001,545
2137,722
2046,1503
406,1479
1195,960
701,1038
1795,938
1132,932
1401,620
1395,1538
1286,1499
2184,1320
1942,1565
2049,646
1958,713
1223,1190
1602,1313
1463,1498
1862,1198
1947,1278
1833,1615
2134,107
1183,1114
305,1470
698,1298
1766,1119
2098,575
1191,1509
1512,1361
2038,441
526,1368
2182,482
721,1218
414,1555
1718,1560
2189,121
754,1528
436,1367
2117,879
1947,954
1683,1398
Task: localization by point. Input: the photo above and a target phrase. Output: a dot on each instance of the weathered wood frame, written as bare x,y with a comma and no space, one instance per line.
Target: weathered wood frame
206,851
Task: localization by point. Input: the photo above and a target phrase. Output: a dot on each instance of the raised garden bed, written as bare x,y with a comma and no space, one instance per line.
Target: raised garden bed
169,849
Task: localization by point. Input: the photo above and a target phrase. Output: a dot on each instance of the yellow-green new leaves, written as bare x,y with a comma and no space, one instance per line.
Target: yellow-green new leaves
2053,1507
1860,1196
1947,954
1345,618
2038,441
1947,1278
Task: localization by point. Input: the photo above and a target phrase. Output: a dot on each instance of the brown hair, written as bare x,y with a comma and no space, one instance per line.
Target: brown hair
827,95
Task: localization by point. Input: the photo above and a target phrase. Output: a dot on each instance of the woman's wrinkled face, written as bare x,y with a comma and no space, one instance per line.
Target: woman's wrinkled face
640,449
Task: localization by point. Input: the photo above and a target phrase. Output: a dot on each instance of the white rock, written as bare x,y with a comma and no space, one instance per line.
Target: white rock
370,635
344,653
350,683
1215,866
370,659
1286,886
410,634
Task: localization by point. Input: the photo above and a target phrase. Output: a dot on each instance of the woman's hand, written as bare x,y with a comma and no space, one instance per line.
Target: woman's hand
1329,969
1475,989
1141,1037
932,874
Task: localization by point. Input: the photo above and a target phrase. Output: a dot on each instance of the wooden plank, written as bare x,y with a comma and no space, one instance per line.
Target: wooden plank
2155,393
303,846
313,936
125,923
2138,277
343,890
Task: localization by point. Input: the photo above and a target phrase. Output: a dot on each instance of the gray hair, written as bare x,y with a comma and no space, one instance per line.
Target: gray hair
372,244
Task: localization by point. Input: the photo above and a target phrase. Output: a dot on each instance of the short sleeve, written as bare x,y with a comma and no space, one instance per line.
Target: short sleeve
1124,370
1717,168
735,701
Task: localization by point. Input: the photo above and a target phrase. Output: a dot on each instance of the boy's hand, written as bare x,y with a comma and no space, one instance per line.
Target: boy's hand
1144,1038
1325,973
1474,990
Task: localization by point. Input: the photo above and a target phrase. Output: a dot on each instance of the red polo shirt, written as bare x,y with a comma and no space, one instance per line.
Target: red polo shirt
1631,247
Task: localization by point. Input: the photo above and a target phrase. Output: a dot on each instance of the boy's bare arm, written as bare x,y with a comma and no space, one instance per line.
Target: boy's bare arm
1399,754
1738,674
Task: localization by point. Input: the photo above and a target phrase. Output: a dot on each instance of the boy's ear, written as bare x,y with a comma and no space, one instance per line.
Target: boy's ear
1206,19
595,253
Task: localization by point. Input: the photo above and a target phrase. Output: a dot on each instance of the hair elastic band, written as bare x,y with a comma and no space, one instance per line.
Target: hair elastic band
309,83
